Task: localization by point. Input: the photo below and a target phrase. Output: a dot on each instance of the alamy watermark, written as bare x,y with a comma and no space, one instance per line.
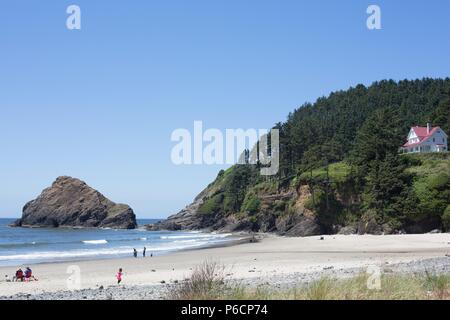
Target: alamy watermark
73,21
374,20
374,278
240,146
73,282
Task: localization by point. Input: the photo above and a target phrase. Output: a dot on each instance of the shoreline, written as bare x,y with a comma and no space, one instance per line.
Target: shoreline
235,239
273,259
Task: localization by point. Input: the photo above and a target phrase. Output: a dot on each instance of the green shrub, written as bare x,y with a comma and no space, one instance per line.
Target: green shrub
446,219
252,204
439,182
230,204
211,205
314,202
320,289
433,193
205,283
437,284
279,206
337,172
235,186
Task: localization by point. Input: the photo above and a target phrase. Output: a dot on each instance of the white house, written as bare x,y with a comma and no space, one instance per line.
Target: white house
426,139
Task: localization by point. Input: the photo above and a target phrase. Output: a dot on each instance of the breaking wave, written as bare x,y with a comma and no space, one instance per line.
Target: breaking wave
103,241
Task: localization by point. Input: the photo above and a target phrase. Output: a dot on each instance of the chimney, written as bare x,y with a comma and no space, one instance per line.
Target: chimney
428,127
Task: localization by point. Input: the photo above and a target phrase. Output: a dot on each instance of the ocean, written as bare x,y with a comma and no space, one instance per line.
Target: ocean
20,246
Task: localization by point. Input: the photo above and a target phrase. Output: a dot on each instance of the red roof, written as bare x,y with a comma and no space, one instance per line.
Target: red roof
423,134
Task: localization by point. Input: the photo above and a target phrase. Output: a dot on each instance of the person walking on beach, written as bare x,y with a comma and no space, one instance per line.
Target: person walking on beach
135,252
143,252
119,276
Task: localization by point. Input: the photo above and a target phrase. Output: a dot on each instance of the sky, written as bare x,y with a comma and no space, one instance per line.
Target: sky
101,103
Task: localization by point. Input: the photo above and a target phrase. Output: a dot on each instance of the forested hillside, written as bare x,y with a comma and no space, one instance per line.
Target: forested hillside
340,169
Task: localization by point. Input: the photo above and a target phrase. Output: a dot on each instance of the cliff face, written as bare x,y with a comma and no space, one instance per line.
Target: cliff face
322,201
263,209
296,223
339,170
70,202
189,218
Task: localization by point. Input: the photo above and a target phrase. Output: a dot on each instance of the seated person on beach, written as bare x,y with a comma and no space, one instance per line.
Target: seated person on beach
19,275
29,275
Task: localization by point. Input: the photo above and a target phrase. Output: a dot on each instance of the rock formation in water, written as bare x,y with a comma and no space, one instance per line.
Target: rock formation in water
70,202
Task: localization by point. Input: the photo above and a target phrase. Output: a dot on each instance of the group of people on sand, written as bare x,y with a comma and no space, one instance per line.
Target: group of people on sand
135,253
119,275
26,275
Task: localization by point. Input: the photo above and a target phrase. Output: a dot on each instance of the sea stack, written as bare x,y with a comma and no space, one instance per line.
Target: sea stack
70,202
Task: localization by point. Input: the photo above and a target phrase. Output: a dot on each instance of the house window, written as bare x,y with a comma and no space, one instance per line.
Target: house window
434,140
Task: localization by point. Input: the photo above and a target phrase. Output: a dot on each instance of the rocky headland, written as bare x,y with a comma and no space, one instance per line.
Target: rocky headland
70,202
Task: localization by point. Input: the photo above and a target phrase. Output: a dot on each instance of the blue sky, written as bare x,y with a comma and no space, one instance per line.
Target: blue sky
100,103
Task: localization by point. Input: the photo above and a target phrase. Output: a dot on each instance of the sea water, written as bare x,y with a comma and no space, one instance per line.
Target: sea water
19,246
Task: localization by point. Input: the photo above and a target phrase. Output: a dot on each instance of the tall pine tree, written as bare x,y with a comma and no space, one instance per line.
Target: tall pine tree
382,171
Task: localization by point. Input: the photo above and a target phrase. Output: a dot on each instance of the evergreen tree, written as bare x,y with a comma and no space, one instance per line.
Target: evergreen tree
380,136
364,127
441,116
387,190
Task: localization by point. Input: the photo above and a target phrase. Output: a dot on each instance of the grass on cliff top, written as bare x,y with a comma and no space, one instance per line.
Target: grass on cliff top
427,164
423,165
431,174
208,282
338,172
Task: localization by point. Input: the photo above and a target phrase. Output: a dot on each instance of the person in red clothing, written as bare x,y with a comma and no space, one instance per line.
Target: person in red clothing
29,275
119,276
19,275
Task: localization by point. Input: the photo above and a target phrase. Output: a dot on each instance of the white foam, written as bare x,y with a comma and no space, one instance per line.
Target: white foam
63,254
95,241
95,248
210,236
87,253
188,241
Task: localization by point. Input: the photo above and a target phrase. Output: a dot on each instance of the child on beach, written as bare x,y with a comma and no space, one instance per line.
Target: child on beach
119,276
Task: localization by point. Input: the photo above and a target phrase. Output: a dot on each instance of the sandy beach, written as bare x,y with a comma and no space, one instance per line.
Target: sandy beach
271,257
